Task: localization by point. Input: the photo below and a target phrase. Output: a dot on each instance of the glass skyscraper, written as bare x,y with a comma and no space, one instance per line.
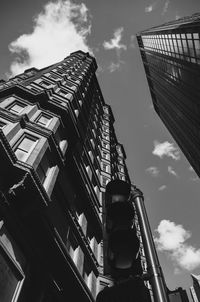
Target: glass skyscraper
171,57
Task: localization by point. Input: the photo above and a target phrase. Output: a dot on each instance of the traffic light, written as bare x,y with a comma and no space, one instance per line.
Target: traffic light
121,244
131,290
121,247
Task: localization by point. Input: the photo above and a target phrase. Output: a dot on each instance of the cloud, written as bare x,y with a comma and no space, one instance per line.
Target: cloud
149,8
114,66
61,28
153,171
163,187
166,6
171,238
166,149
114,43
171,171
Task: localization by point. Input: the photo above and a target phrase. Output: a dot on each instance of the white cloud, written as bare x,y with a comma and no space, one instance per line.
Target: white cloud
114,66
153,171
161,188
166,149
148,8
189,257
166,6
151,7
115,43
171,236
172,240
171,171
61,28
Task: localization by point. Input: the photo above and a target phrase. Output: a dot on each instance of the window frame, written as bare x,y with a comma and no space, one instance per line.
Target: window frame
19,103
43,114
3,124
44,166
33,138
14,267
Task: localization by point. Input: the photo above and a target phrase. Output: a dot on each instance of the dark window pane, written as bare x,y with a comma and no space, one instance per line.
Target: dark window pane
8,281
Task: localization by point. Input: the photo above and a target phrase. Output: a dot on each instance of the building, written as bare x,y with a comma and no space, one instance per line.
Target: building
178,295
171,57
195,289
193,294
58,151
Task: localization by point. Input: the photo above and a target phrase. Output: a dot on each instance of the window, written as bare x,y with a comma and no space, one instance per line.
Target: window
86,270
105,180
105,145
91,155
65,93
45,84
105,167
43,169
106,116
121,169
122,177
17,107
106,136
106,129
25,147
12,264
2,124
105,109
43,120
53,76
120,160
34,88
71,243
105,122
89,172
105,155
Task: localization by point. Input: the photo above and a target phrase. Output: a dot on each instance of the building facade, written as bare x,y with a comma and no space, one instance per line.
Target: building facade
193,294
171,57
195,289
58,151
178,295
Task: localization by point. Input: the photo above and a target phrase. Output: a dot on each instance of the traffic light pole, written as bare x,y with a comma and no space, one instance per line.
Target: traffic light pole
154,269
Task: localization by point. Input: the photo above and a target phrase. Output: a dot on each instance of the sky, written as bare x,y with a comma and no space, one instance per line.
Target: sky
39,33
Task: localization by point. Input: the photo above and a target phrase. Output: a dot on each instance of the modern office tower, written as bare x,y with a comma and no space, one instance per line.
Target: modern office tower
58,151
195,289
171,57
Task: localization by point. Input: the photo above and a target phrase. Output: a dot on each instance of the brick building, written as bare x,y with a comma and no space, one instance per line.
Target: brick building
58,150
